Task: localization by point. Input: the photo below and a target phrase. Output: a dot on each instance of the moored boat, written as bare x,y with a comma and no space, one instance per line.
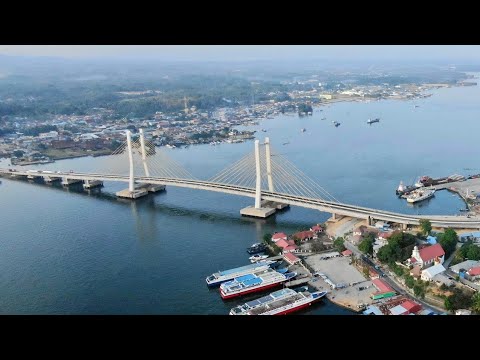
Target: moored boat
219,277
257,248
420,194
253,282
281,306
257,257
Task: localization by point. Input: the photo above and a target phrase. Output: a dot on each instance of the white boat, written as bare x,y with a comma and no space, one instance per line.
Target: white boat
420,194
257,257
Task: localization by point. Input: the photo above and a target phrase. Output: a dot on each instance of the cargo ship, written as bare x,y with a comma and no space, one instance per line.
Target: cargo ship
253,282
284,304
226,275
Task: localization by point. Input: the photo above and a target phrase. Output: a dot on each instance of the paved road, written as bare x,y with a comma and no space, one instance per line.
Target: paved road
397,287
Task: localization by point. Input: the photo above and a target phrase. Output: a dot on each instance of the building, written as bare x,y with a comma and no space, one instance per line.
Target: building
304,235
384,290
279,236
429,273
326,96
286,246
290,258
316,228
427,256
408,307
382,225
474,272
464,265
360,231
347,253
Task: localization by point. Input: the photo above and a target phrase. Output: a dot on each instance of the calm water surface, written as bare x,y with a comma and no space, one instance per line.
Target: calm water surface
69,252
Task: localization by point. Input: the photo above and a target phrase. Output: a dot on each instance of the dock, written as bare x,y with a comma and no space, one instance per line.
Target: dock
298,282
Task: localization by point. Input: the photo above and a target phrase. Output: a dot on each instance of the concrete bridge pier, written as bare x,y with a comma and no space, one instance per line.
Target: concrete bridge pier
90,184
68,182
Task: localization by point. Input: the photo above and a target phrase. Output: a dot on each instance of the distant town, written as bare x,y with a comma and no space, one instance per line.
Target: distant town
28,140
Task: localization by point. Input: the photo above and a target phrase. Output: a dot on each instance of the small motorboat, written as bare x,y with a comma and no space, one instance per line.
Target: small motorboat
257,257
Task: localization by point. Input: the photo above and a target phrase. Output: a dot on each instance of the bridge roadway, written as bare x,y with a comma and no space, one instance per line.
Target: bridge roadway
337,208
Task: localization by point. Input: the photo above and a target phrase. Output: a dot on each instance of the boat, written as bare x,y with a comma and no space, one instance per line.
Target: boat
371,121
265,300
286,303
303,130
286,143
406,189
420,194
257,257
336,123
264,130
324,118
227,275
256,248
253,282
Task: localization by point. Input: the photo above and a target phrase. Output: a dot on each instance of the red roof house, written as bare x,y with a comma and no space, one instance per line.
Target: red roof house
347,252
381,285
316,228
290,258
304,235
279,236
411,306
282,243
474,271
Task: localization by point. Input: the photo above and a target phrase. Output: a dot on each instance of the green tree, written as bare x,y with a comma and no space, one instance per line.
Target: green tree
448,240
366,246
409,281
339,244
317,246
419,290
267,238
426,226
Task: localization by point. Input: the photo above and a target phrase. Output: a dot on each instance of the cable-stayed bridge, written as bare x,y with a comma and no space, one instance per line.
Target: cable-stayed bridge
264,175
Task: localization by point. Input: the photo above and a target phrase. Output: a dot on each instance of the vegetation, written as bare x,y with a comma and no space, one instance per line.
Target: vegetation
476,303
460,299
267,238
399,248
366,272
409,281
448,240
366,245
339,244
470,251
420,288
317,246
304,108
426,226
34,131
18,153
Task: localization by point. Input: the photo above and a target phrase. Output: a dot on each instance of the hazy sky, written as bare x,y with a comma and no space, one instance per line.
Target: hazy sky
250,52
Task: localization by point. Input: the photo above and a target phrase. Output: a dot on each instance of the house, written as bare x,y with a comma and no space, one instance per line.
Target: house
406,308
442,279
286,246
291,259
384,236
416,271
347,253
467,264
474,272
356,239
427,256
279,236
429,274
360,231
316,228
304,235
384,290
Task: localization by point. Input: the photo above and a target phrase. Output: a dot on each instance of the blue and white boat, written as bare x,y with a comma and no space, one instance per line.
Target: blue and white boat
276,295
226,275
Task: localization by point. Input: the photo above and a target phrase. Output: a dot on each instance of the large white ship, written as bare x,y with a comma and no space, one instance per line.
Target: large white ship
420,194
295,301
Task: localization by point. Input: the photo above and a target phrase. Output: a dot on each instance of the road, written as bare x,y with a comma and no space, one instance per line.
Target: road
397,287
